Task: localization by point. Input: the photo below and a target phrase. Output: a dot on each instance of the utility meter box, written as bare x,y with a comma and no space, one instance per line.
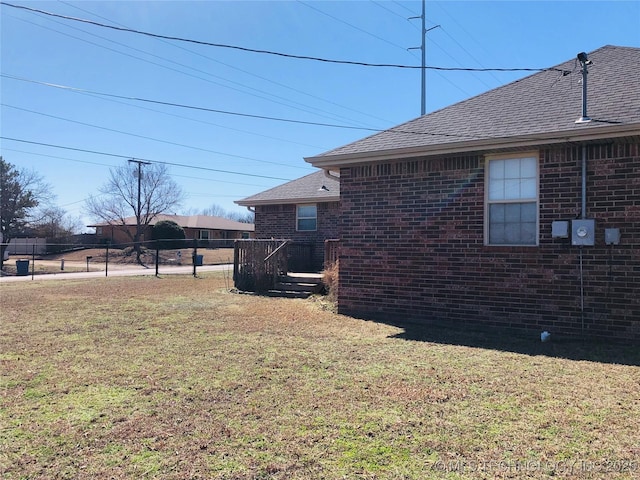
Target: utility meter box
560,229
612,236
583,232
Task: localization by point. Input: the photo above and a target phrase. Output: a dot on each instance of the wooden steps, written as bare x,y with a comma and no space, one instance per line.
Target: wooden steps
297,285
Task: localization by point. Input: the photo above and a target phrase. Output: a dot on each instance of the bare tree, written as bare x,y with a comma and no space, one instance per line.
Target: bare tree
246,217
21,191
140,191
54,223
216,210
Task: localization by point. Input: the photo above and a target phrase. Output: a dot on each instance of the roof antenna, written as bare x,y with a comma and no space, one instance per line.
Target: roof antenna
584,61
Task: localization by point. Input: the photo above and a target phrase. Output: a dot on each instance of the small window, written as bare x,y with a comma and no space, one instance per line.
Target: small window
512,201
307,218
203,235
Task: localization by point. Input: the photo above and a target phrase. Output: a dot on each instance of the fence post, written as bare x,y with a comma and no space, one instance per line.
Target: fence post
236,257
195,253
33,261
106,262
157,256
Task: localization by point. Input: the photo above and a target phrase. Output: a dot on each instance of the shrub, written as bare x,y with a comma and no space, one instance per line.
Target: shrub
330,280
169,234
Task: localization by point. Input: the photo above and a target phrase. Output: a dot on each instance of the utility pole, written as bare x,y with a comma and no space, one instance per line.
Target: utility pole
423,98
139,207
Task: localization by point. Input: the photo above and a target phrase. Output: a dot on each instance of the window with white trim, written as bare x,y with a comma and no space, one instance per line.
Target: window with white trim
306,218
512,200
204,234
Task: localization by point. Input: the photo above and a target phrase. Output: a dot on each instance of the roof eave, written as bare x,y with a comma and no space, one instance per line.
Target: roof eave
568,136
288,201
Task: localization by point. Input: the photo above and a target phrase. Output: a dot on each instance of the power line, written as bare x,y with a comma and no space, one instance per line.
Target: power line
253,74
55,156
349,127
352,26
204,122
192,107
269,52
226,182
394,130
95,152
379,4
149,138
404,6
266,95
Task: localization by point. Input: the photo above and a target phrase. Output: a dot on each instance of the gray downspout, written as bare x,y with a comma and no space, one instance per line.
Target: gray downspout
584,215
584,181
584,61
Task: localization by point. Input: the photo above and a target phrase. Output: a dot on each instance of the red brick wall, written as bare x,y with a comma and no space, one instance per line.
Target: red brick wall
279,221
412,246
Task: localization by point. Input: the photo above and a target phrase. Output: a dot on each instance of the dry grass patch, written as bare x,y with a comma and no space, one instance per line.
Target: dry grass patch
177,378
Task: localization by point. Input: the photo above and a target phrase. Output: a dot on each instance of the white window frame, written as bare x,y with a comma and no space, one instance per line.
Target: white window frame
488,202
298,217
203,237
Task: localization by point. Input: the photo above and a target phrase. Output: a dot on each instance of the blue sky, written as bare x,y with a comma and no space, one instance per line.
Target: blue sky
260,153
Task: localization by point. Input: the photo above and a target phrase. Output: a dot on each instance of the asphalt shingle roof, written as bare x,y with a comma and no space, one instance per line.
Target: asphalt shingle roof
541,103
312,188
204,222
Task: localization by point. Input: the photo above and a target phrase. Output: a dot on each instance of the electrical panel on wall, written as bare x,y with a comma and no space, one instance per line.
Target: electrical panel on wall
560,229
583,232
612,236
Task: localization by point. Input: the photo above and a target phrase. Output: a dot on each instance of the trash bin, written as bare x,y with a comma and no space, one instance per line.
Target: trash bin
197,260
22,267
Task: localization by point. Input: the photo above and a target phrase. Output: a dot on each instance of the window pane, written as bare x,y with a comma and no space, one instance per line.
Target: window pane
307,224
528,188
512,212
512,224
496,169
512,233
496,189
496,213
512,168
529,233
512,189
528,212
528,168
496,234
306,211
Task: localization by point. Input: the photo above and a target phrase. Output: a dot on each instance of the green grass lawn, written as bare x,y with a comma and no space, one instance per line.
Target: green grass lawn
176,378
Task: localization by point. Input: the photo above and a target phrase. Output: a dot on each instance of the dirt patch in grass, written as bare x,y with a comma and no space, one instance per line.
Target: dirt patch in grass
177,378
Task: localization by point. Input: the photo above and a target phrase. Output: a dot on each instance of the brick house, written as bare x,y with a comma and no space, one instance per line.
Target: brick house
304,210
508,209
201,227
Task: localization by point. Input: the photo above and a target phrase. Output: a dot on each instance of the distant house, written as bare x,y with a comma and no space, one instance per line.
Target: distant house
509,209
304,210
201,227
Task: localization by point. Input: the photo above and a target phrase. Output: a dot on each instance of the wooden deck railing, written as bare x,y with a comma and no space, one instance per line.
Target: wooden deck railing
331,247
257,262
